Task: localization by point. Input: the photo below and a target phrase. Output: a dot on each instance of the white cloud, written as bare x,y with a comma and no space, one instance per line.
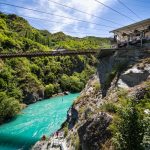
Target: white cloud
88,6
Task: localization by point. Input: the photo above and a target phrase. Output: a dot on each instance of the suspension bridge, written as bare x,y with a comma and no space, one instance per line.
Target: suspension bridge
48,53
98,52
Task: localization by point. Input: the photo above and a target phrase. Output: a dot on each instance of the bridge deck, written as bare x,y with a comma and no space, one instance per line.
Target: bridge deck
48,53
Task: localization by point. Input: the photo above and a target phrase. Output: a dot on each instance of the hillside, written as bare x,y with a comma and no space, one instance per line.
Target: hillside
25,80
22,37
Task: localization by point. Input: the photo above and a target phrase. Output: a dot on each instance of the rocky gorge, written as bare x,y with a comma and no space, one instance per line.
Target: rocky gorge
120,76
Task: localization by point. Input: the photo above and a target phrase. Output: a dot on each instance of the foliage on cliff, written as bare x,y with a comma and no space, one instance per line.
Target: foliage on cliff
130,125
25,79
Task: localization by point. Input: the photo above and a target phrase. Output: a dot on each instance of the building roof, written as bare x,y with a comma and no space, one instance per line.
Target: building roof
133,26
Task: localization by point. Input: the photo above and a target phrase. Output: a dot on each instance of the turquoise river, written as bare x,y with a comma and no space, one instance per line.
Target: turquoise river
43,117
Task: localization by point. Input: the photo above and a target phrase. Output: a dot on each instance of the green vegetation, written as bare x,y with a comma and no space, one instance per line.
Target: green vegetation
9,107
109,107
49,90
65,128
129,131
21,79
97,86
76,142
65,131
130,126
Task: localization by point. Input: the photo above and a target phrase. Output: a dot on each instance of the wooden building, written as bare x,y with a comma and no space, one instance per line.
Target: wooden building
134,34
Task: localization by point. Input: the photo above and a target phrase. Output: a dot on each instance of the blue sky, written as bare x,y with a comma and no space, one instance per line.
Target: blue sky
77,28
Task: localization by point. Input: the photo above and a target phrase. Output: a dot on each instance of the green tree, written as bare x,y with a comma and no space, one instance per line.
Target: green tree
130,129
49,90
9,107
65,82
16,93
75,84
56,88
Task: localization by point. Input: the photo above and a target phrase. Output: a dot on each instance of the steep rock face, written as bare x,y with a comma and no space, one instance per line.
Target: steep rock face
72,117
94,132
114,64
138,92
134,76
92,125
32,97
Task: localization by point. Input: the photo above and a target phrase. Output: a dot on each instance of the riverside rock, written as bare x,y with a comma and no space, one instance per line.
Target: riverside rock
95,131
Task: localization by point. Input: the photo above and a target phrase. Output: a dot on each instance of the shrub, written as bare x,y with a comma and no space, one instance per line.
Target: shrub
146,139
76,142
3,24
97,86
65,131
130,129
75,84
9,107
109,107
9,43
65,82
56,88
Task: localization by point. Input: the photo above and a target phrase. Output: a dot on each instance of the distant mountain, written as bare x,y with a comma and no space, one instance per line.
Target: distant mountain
17,33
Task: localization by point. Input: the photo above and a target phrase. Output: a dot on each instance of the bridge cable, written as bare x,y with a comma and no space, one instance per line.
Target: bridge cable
123,4
21,7
129,9
114,10
84,12
47,20
55,22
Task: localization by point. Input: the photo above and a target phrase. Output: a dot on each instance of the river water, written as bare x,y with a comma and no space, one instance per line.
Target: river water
43,117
